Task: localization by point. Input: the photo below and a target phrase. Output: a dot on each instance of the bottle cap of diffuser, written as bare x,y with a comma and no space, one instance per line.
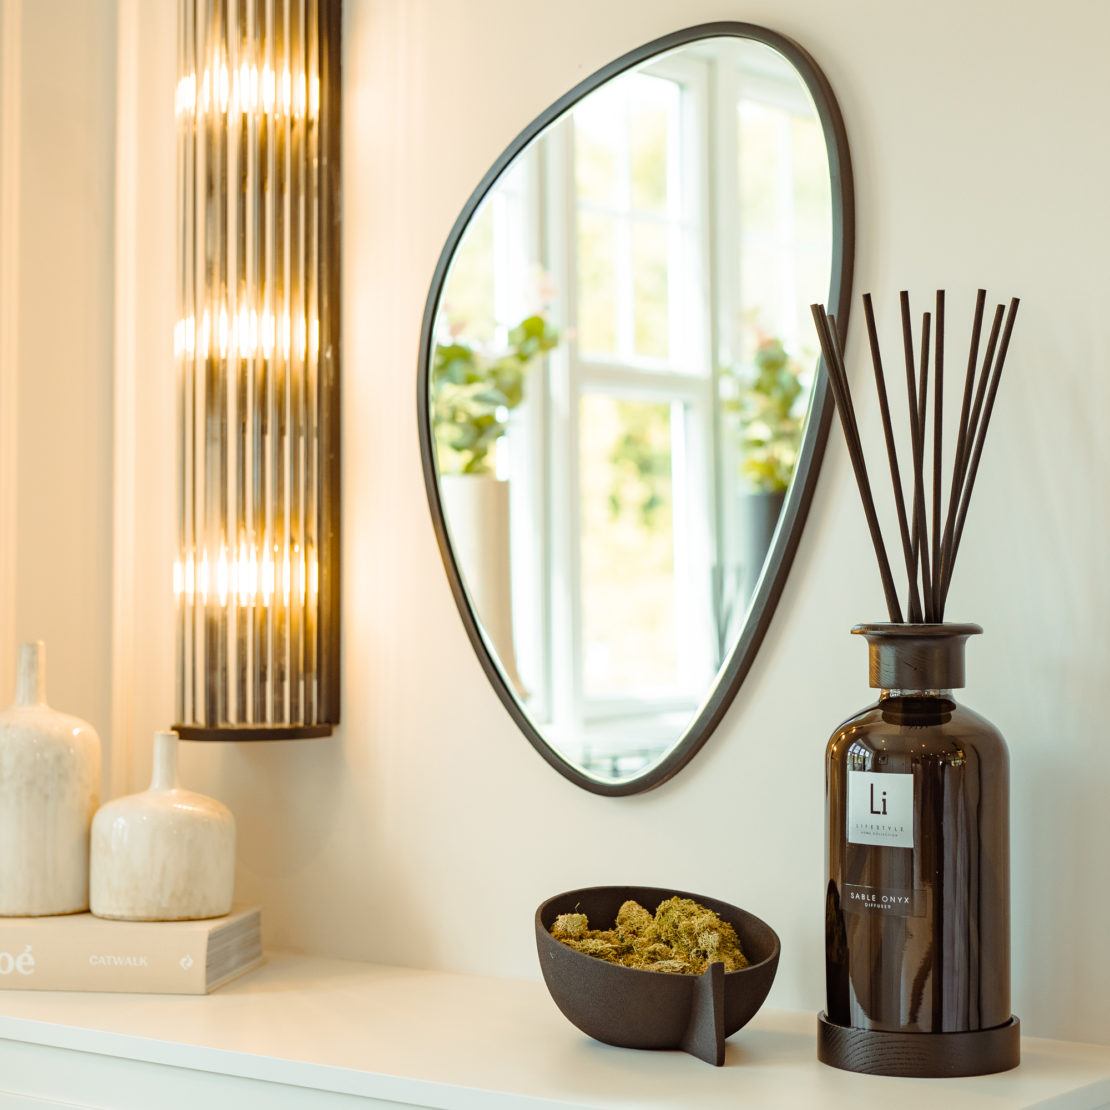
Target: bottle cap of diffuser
916,656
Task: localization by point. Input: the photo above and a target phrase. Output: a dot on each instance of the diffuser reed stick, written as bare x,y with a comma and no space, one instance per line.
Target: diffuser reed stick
839,381
928,552
938,454
892,455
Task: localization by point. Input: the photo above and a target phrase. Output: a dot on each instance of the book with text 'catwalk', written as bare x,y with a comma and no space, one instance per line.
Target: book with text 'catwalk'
80,952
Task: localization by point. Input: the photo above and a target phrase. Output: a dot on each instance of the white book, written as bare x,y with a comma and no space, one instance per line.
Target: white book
80,952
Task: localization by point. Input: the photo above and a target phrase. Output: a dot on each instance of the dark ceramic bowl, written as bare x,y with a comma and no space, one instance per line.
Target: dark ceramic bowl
632,1008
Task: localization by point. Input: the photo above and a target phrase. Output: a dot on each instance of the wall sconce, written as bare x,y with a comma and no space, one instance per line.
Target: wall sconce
257,344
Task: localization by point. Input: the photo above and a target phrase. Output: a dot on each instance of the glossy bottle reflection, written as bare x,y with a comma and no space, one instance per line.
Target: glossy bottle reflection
917,912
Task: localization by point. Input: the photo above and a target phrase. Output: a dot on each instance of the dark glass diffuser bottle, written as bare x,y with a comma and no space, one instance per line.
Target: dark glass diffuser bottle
917,915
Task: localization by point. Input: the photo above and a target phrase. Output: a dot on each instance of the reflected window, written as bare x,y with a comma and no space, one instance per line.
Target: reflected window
663,240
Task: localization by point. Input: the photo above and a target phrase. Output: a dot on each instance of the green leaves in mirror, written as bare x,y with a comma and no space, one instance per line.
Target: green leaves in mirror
769,417
473,392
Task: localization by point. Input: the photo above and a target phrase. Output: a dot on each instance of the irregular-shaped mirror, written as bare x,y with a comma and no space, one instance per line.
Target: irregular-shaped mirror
621,407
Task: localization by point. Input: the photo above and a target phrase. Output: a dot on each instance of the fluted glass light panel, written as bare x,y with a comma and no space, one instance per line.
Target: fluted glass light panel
257,344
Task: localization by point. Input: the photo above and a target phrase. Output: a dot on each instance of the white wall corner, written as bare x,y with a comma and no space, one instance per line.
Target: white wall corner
10,31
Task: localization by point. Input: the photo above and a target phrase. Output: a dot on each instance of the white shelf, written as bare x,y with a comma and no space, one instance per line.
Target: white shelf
308,1032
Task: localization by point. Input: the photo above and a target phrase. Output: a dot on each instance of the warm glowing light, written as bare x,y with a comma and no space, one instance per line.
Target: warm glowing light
255,454
224,87
267,591
268,87
247,334
223,576
313,576
185,95
202,579
249,91
268,334
248,580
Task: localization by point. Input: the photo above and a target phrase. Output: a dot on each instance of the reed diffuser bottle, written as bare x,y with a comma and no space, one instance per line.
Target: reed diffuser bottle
917,894
917,898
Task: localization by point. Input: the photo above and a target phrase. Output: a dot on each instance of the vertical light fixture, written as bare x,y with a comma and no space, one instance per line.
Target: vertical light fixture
257,344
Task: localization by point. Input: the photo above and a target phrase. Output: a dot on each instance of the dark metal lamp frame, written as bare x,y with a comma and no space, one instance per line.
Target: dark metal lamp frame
284,164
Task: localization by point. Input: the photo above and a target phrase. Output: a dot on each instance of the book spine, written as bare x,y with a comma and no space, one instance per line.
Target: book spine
129,960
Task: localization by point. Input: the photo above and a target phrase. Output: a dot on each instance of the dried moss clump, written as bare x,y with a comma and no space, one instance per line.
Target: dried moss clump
682,937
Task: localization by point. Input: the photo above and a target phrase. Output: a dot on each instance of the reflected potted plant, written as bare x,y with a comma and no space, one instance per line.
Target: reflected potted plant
473,393
765,404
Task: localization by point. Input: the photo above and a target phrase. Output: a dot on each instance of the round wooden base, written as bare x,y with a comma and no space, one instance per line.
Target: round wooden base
922,1055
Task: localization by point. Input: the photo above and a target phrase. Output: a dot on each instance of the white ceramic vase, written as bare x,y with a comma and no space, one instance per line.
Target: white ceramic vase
477,510
49,791
164,855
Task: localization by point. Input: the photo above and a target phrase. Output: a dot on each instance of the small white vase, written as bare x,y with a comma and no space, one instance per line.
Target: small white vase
49,791
477,510
164,855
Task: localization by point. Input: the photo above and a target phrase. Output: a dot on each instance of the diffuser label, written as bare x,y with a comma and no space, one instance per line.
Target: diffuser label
880,809
897,903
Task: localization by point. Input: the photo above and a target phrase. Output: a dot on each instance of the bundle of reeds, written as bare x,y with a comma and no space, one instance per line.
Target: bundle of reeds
929,548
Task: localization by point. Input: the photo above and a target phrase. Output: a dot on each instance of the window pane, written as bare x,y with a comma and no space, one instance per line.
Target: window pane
653,104
649,278
599,143
760,169
468,295
812,201
597,289
763,280
627,547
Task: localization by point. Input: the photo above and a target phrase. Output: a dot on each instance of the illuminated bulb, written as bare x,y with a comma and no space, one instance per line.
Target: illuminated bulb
223,576
224,87
267,578
268,327
185,96
268,90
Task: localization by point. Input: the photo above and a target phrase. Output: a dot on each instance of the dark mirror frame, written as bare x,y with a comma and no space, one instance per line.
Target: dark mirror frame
800,495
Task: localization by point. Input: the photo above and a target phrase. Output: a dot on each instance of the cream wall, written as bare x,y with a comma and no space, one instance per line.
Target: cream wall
426,830
57,98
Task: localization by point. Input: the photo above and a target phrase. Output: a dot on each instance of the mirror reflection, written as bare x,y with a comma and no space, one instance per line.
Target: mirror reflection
619,384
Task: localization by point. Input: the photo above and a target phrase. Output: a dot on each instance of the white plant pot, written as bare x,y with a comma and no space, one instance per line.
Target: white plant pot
477,510
49,791
167,854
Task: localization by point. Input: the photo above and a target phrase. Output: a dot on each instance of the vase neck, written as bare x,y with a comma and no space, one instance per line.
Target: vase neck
30,688
164,776
916,657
